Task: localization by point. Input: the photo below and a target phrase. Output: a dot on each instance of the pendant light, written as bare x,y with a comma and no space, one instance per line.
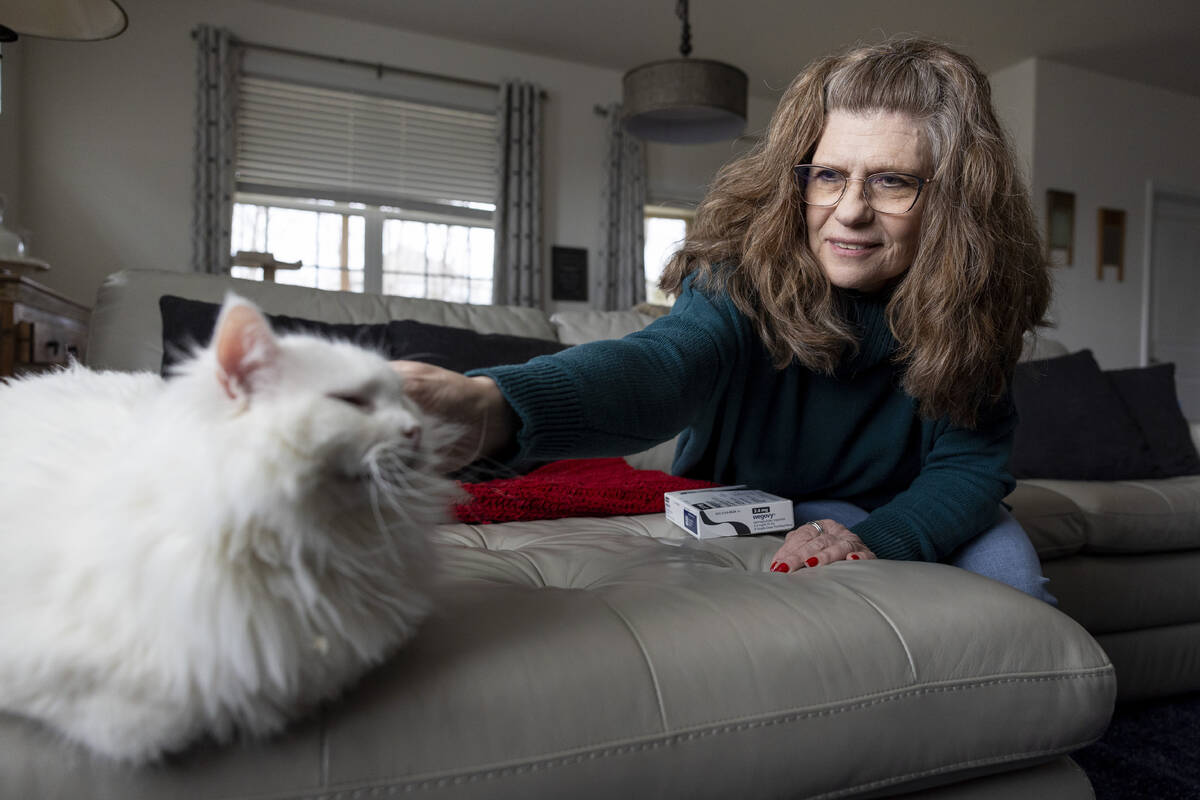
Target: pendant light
684,100
79,20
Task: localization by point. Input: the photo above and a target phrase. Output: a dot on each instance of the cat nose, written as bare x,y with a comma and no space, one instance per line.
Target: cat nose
413,434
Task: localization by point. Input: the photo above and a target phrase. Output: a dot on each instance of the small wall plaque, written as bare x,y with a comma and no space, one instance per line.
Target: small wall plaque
569,272
1110,244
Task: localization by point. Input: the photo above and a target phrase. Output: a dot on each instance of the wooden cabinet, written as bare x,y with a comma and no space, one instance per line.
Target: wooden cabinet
39,328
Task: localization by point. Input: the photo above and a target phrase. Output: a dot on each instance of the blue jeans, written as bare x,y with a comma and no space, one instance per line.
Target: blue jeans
1003,552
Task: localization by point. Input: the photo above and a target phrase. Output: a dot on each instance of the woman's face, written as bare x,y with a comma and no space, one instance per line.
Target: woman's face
856,246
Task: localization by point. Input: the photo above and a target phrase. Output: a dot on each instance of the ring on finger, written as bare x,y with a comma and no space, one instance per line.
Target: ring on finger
816,525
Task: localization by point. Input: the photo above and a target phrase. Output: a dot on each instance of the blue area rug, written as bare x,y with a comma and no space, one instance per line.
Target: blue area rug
1151,750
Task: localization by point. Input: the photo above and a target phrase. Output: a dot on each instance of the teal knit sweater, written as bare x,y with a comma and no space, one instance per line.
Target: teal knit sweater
702,372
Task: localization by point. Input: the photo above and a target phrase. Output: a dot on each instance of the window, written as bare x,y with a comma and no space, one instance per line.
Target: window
666,228
421,255
326,237
374,194
435,259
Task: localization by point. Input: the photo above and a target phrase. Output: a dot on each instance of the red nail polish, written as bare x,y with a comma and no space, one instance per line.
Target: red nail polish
779,566
854,556
812,562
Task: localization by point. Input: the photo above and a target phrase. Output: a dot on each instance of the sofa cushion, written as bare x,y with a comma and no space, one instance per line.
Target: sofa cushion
1154,662
621,657
1116,593
577,327
1149,394
1073,424
1056,526
1135,516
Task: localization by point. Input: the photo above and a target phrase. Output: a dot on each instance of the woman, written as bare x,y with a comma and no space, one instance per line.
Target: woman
851,304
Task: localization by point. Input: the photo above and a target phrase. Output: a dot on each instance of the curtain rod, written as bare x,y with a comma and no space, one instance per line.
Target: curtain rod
377,68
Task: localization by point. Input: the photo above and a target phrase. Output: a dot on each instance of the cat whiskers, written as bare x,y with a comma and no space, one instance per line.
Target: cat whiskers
402,480
384,534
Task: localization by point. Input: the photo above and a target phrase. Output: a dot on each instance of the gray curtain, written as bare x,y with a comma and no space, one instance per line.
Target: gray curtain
619,279
217,68
518,260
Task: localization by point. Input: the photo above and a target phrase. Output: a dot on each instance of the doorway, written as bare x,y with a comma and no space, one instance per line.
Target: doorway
1172,332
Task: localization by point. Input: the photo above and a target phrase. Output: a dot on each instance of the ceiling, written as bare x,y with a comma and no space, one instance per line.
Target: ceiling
1155,41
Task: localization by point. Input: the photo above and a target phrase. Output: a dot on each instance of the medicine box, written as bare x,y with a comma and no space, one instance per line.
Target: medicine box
728,511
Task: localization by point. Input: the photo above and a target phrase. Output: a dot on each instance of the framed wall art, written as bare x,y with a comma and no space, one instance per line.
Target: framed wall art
568,271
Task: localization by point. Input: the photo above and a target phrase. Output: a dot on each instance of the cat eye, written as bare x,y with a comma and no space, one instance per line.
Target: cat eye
361,402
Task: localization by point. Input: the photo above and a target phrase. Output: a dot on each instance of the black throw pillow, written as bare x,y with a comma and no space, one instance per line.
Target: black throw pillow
1149,394
460,349
188,324
1073,424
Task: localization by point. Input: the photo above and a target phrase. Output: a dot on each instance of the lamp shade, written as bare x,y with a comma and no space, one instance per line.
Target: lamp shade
684,101
81,20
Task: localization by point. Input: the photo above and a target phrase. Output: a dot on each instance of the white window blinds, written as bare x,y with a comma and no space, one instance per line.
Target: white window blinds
306,141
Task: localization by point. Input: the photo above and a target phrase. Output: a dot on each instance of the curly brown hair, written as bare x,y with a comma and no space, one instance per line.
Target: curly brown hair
979,279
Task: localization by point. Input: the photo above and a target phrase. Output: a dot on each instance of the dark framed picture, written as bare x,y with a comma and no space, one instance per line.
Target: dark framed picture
569,273
1060,227
1110,242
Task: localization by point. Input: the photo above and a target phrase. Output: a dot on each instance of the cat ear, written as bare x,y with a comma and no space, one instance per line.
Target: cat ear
245,347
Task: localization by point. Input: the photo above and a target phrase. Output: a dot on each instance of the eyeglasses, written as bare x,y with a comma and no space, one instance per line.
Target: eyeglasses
886,192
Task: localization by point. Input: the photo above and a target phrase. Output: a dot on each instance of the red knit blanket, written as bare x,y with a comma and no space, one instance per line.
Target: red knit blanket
586,487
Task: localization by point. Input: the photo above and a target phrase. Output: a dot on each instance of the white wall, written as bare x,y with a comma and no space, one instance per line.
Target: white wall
1014,94
11,83
107,131
1103,138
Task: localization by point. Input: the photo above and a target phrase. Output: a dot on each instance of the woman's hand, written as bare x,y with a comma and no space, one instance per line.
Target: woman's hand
474,408
808,547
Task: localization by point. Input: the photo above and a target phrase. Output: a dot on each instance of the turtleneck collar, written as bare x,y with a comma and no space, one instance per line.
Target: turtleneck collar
867,313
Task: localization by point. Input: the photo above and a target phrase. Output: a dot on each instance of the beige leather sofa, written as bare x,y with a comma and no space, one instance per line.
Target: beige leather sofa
610,657
1123,559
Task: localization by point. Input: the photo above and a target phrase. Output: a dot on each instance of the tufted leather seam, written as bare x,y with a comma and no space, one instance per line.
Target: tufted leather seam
912,665
392,790
395,786
519,551
658,697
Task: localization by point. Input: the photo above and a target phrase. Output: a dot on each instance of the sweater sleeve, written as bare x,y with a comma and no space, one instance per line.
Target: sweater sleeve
954,497
621,396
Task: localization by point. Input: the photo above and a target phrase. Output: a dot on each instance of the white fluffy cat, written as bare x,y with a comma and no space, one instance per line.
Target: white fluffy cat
212,553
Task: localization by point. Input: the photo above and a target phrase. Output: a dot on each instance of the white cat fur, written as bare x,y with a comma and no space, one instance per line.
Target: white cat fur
212,553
